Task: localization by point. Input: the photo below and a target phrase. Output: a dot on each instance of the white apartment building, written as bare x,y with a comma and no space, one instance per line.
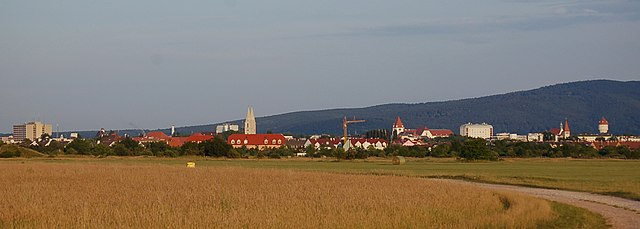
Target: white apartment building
472,130
227,127
31,131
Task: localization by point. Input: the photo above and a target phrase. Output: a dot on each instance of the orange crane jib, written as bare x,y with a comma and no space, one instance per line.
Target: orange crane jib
346,122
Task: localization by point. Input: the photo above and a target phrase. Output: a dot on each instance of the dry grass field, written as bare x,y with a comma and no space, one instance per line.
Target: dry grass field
71,195
607,176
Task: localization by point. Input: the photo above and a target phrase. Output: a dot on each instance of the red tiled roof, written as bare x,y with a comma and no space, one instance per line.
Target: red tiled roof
177,141
398,123
566,125
555,131
198,137
631,145
157,134
603,121
441,132
256,139
419,131
410,132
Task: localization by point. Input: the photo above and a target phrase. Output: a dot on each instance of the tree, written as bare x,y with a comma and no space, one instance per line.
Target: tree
79,146
191,148
129,143
476,149
441,150
45,136
310,151
548,136
101,150
379,133
120,149
53,148
26,143
215,147
158,148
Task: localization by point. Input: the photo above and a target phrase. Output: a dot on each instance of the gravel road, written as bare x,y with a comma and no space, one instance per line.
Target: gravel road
619,212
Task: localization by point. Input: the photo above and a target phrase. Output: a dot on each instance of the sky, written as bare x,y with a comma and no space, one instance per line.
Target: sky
120,64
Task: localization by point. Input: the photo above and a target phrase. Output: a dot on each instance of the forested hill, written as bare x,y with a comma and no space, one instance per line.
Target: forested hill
583,103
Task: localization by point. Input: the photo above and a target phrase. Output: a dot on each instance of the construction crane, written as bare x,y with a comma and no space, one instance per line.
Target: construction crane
345,123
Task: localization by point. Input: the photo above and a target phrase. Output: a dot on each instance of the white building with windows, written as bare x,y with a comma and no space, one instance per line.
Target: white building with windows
31,131
473,130
227,127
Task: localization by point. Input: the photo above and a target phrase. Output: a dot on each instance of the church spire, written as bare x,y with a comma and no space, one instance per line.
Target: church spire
566,132
250,122
398,123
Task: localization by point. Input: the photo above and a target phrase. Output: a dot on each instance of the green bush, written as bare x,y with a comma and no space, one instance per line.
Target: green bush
477,149
10,154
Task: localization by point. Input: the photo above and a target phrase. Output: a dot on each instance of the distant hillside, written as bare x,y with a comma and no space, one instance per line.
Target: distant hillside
583,103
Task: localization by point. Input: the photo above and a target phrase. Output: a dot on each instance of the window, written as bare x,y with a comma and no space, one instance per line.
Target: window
273,141
266,141
246,141
279,141
233,141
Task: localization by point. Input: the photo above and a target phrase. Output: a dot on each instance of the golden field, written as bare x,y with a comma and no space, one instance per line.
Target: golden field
72,195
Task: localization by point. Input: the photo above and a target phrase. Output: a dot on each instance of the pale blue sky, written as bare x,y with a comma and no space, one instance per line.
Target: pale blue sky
91,64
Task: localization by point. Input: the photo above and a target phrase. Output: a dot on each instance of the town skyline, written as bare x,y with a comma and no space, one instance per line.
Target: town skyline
86,65
588,89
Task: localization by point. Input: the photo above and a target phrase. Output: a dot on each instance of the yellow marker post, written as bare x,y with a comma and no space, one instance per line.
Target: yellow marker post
191,164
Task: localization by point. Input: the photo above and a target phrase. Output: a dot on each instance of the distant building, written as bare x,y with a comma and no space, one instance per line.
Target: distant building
256,141
631,145
250,122
110,139
513,137
195,138
31,131
603,126
294,143
332,143
158,136
8,139
563,132
366,143
472,130
400,132
227,127
603,135
535,137
398,127
434,133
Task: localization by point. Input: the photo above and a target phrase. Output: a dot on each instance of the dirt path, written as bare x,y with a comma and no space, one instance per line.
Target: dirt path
619,212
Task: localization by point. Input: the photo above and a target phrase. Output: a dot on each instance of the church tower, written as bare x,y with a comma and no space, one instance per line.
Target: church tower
566,133
398,127
250,122
603,126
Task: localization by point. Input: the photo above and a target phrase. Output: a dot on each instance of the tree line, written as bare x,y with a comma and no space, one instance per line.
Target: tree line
454,146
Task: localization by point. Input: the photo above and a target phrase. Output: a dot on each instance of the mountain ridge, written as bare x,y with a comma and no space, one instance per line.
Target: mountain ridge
583,103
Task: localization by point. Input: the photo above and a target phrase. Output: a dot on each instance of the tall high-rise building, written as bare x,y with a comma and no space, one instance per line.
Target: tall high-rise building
31,131
250,122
